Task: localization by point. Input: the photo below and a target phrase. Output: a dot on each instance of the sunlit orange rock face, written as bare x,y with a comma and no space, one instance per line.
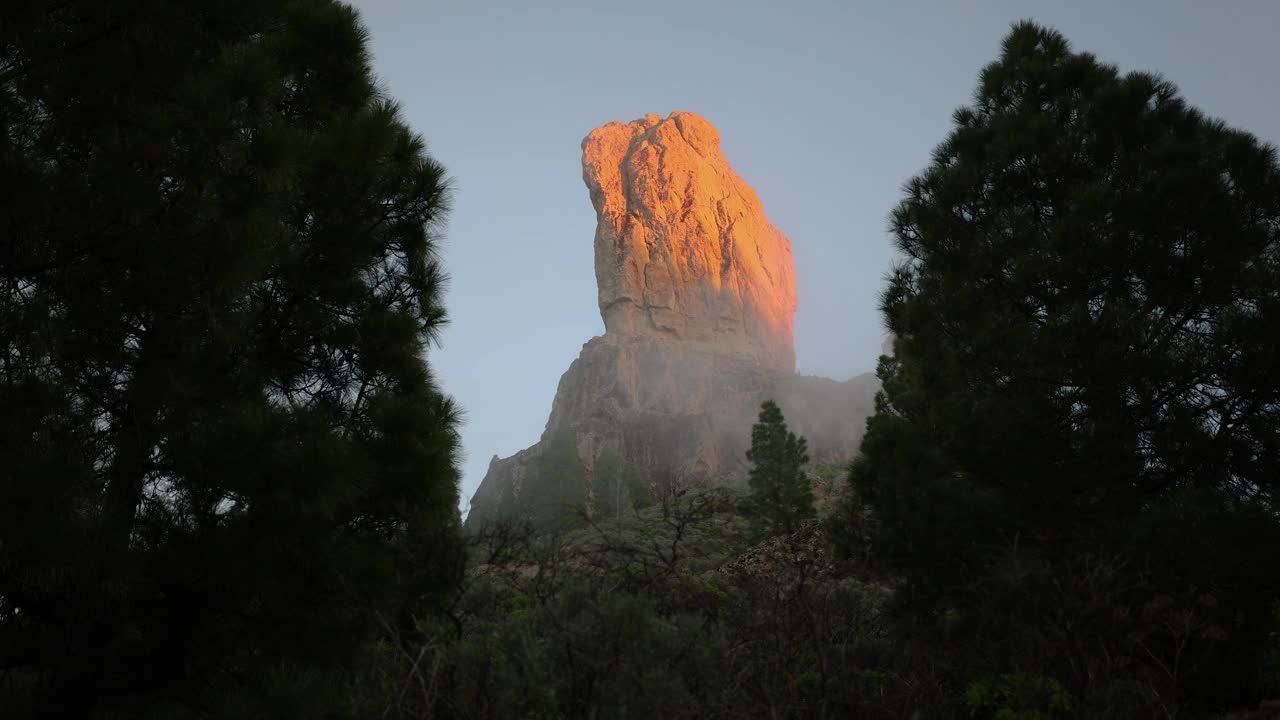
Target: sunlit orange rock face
698,294
683,248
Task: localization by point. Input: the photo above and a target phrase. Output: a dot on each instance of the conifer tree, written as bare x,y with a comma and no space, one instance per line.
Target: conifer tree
1084,367
556,484
780,493
224,462
617,485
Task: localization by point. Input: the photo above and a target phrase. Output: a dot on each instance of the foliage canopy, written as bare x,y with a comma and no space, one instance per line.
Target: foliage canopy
1083,378
223,460
781,496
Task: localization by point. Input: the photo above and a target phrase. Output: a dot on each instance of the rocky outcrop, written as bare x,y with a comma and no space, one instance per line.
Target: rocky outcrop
697,291
683,248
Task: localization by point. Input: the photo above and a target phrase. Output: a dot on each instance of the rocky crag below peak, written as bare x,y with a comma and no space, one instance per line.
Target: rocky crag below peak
698,295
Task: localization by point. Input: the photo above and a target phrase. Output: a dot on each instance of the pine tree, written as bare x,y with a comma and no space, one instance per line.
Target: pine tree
1084,368
555,487
224,462
616,486
780,493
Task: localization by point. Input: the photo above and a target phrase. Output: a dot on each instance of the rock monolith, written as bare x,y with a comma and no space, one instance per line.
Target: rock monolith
697,290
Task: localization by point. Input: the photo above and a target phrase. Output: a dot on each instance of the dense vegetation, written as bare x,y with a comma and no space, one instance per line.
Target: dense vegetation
669,611
1074,458
224,466
228,480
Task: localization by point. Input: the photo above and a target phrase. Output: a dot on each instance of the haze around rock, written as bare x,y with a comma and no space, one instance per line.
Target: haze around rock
697,290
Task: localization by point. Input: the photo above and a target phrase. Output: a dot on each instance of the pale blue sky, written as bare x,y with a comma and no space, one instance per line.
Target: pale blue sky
824,107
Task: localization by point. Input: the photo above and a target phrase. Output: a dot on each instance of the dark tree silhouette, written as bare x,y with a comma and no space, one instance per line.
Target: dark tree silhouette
223,460
780,493
1084,366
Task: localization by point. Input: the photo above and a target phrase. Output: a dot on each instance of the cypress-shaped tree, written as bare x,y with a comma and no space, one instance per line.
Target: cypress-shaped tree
616,485
780,493
1084,377
223,460
555,488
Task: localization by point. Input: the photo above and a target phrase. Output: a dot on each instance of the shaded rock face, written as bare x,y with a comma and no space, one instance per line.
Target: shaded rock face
697,291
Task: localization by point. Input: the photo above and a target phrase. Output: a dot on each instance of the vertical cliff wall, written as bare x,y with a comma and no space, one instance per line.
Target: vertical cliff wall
683,248
698,295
